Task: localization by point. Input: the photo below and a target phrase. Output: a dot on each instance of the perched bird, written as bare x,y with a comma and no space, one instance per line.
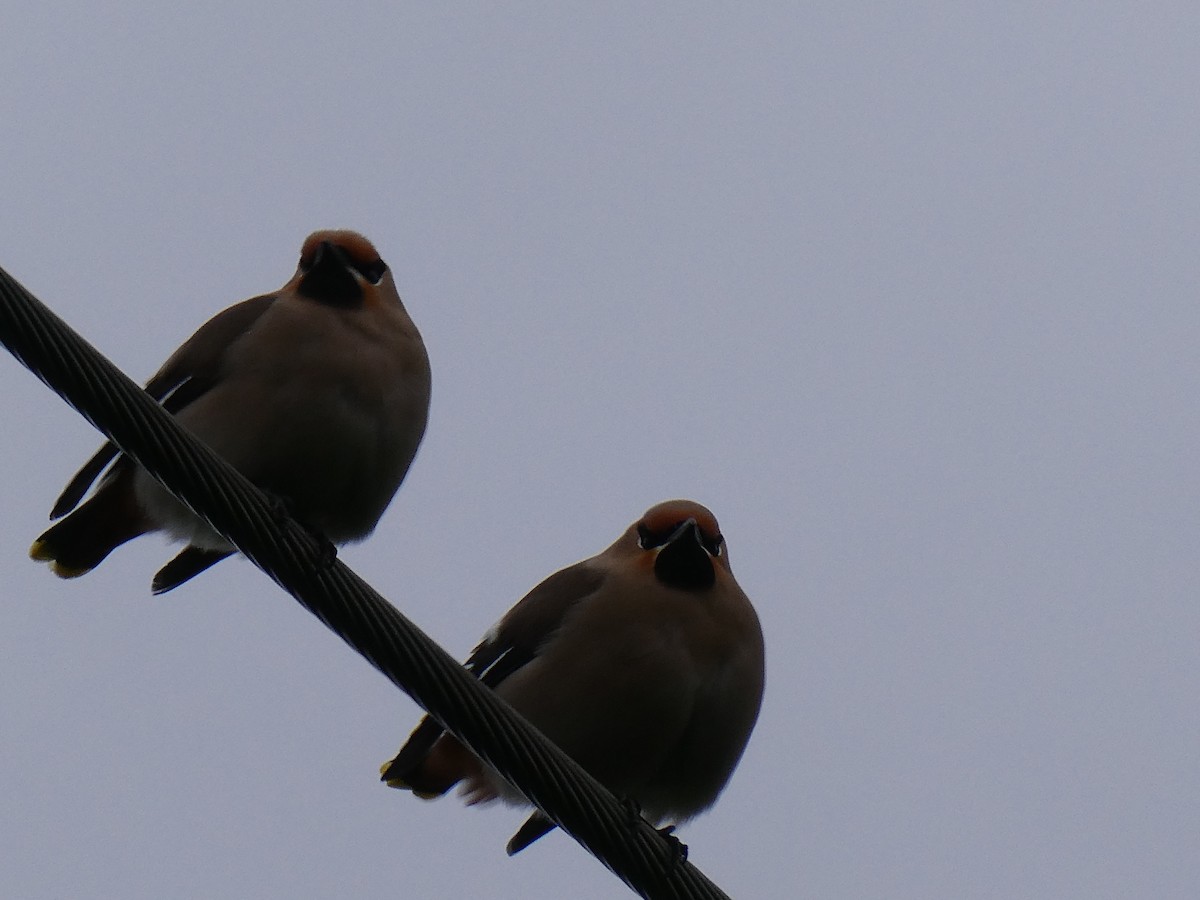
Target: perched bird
318,393
644,664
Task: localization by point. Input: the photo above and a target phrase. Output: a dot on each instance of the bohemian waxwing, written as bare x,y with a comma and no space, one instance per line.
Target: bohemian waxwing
318,393
644,664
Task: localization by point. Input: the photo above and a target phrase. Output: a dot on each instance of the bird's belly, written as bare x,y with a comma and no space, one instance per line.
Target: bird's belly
333,454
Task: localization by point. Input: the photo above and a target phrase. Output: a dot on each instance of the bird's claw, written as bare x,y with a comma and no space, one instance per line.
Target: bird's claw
283,509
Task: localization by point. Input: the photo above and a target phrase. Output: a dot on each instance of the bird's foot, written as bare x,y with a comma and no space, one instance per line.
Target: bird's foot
679,850
283,509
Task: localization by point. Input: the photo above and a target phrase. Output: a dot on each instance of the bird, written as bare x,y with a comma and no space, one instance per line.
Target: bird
645,664
318,393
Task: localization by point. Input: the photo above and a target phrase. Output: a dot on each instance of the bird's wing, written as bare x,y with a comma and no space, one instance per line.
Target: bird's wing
191,371
512,643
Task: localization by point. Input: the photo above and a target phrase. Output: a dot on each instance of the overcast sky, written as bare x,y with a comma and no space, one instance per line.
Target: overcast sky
906,293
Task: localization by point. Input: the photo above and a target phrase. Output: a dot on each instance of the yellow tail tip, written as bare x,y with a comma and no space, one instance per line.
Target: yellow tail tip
67,571
401,785
398,783
41,552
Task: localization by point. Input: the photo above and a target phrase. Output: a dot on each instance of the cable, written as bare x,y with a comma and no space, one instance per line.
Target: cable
306,566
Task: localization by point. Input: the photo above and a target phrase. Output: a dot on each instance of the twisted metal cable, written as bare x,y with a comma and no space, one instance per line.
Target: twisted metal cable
304,566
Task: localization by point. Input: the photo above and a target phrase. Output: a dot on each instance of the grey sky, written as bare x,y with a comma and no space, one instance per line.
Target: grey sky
906,293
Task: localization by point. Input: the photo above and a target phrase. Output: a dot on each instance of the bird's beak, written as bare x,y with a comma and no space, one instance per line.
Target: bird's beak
683,562
331,278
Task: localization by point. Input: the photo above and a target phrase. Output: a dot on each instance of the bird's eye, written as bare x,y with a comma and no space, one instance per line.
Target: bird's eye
645,539
714,545
648,539
373,271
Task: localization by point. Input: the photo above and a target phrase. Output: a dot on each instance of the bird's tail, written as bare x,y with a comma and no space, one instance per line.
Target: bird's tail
430,762
78,543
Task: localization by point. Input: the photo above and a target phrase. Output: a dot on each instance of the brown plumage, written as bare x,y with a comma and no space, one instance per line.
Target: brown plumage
318,393
644,663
